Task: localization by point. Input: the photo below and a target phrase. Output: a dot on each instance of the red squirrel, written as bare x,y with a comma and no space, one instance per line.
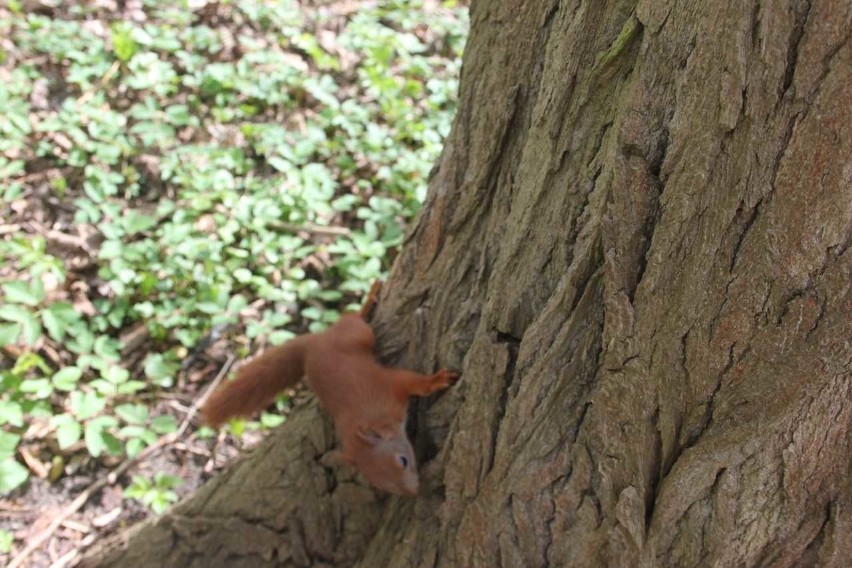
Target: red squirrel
368,402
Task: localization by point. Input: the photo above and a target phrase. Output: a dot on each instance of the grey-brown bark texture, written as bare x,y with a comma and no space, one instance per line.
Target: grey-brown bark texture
636,246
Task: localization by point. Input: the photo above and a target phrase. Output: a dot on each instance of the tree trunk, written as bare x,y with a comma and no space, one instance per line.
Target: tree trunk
636,247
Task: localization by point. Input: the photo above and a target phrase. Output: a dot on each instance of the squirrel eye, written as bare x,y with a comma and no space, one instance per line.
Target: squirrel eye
403,461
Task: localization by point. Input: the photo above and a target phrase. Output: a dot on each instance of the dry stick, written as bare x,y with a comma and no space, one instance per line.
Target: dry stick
111,478
66,240
203,398
308,228
75,526
104,80
72,554
33,463
181,447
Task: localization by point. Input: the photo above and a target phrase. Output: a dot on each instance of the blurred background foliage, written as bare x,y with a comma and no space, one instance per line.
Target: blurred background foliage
183,182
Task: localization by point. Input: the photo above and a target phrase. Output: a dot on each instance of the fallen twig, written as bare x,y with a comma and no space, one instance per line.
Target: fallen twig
66,240
181,447
105,519
175,404
33,463
75,526
309,228
203,398
99,87
72,554
113,476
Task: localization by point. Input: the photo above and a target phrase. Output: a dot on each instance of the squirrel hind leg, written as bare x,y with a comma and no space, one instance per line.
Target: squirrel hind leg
372,300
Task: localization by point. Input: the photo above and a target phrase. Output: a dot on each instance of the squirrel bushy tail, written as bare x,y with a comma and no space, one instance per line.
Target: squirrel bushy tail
257,383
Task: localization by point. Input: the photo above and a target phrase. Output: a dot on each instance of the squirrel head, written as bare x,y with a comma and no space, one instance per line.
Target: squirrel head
385,457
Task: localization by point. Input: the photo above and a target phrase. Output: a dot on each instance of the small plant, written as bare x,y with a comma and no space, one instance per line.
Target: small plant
155,493
244,177
6,540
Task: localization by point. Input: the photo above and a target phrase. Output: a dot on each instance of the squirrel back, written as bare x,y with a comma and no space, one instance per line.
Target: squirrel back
368,402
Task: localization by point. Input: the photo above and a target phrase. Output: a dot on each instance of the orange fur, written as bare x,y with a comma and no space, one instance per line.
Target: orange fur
368,402
257,383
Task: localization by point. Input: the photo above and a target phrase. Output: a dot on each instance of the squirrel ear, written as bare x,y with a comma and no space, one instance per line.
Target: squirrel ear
371,435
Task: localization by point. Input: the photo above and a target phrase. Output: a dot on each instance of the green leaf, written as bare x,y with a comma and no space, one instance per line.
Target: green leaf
11,413
31,329
280,336
164,424
160,501
41,388
113,444
107,347
132,413
131,387
86,405
68,430
134,446
135,222
116,375
268,420
123,44
237,426
8,444
180,115
208,307
104,387
205,433
9,333
6,540
66,379
98,439
159,370
138,487
14,312
24,293
242,275
166,481
312,313
55,326
82,342
29,361
64,311
12,475
94,440
140,432
28,322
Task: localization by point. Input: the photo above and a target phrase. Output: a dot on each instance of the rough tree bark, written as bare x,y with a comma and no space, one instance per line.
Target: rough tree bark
636,246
